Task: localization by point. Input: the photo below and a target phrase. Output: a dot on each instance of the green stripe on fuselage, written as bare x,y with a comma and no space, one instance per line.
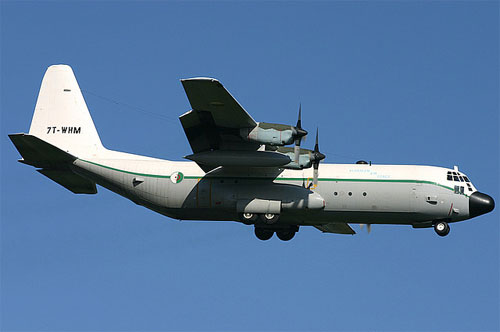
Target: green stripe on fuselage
278,178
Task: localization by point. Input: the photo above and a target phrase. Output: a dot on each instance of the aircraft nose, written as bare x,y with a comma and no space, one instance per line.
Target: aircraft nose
480,203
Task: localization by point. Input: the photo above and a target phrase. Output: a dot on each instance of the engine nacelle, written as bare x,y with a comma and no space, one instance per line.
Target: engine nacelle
306,158
269,133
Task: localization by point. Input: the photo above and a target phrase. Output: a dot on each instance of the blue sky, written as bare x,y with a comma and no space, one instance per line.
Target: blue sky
395,82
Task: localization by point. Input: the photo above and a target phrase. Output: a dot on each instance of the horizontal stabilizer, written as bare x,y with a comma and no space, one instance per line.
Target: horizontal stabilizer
338,228
38,153
55,163
71,181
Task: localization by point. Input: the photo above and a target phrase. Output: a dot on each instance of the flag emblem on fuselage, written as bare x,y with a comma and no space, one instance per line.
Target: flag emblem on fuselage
176,177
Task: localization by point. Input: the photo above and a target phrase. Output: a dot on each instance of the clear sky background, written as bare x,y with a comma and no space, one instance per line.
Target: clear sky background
394,82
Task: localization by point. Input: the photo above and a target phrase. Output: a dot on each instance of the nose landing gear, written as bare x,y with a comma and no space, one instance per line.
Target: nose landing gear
442,228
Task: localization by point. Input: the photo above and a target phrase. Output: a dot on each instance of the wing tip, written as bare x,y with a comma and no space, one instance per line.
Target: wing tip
201,79
211,79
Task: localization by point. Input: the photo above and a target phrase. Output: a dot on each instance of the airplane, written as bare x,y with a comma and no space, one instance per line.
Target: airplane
240,170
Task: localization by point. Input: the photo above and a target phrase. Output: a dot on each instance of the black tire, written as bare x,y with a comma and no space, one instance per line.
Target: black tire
263,234
442,228
248,218
269,218
285,235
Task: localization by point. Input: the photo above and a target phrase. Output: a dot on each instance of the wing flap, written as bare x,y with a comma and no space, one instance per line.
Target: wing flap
201,132
337,228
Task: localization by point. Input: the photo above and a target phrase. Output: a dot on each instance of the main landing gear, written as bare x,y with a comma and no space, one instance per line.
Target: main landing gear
269,218
284,234
263,233
248,218
265,218
442,228
266,225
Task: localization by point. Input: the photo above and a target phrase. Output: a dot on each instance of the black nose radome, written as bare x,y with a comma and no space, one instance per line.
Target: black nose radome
480,203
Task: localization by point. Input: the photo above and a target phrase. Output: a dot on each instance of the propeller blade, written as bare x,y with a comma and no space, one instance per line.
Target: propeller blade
316,146
317,157
296,151
299,120
368,227
299,133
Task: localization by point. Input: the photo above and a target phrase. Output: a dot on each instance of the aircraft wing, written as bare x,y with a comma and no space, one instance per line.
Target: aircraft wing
214,123
338,228
215,119
208,94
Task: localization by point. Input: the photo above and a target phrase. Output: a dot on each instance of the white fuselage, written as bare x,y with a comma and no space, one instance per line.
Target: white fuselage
353,193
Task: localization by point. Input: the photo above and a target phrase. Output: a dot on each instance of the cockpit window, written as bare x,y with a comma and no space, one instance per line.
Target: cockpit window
455,176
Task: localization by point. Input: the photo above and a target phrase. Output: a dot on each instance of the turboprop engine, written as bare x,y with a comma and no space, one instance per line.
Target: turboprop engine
275,134
272,134
306,158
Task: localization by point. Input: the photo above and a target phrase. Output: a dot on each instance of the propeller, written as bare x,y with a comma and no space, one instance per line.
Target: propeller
317,157
299,133
368,227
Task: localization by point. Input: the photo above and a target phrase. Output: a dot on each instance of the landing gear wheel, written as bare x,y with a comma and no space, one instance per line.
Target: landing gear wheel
442,228
248,218
285,235
263,234
269,218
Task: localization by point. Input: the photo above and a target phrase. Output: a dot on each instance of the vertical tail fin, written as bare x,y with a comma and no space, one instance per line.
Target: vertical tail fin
61,116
